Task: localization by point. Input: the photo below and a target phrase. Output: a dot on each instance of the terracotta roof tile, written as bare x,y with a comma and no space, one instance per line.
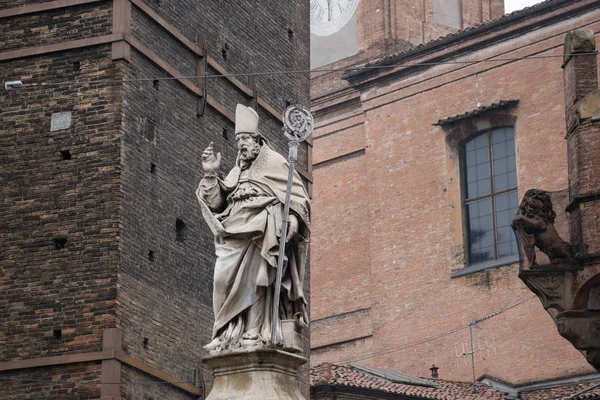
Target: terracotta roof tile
443,390
479,110
563,392
347,375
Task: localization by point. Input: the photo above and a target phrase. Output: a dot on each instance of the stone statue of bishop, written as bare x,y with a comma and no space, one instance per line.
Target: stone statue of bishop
244,212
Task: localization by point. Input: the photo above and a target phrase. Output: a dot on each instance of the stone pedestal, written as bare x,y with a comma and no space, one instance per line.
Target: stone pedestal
255,374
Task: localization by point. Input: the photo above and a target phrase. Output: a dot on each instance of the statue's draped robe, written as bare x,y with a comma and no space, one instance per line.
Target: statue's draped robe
245,212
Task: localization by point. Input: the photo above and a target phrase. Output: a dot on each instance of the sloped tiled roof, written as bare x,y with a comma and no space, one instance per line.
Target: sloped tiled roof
331,374
394,376
352,376
564,392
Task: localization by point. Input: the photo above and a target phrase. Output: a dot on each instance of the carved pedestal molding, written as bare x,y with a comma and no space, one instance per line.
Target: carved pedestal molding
255,374
552,288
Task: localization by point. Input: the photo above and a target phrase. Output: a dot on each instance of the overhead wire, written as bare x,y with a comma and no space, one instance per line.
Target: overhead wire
311,71
406,346
528,44
440,335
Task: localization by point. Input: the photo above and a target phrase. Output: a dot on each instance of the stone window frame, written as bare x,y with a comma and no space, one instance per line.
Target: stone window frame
457,134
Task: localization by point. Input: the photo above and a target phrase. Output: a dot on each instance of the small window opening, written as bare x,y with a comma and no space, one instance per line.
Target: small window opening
226,133
146,342
65,154
288,103
291,34
151,255
150,131
57,334
60,242
181,230
225,51
153,168
77,66
156,84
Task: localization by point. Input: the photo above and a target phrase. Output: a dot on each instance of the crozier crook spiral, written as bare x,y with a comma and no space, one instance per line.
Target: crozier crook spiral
298,123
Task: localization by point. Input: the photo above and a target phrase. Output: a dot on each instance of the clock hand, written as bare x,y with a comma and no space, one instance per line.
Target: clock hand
328,10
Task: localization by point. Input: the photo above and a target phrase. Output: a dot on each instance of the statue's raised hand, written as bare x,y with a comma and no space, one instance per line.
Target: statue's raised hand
211,163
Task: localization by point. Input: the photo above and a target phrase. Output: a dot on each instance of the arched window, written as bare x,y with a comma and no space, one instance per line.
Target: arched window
490,196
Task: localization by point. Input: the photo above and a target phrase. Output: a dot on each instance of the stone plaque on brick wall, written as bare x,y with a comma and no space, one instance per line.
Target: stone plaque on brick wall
60,121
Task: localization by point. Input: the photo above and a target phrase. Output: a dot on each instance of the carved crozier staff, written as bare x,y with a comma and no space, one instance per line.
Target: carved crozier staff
298,124
245,212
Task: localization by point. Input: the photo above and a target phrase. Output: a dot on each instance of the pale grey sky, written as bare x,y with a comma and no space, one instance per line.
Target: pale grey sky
514,5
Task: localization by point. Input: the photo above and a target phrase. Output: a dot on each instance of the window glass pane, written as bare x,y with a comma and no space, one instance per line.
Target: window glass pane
490,235
504,162
477,163
480,231
505,208
500,135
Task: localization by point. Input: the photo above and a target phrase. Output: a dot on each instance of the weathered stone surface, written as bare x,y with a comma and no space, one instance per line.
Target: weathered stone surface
534,223
579,41
262,374
60,121
551,288
589,107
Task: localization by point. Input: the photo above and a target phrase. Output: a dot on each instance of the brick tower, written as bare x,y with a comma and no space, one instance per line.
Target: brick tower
106,265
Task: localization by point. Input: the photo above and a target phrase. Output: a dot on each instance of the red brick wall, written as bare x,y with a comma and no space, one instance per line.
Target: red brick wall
581,79
412,20
408,215
389,27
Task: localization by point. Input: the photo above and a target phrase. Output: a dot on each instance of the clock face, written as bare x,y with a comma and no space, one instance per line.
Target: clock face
329,16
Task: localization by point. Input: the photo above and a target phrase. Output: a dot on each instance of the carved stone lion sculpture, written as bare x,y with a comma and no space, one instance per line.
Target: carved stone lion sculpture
535,224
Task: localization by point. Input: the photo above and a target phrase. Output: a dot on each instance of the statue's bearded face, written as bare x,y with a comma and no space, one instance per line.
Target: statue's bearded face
248,146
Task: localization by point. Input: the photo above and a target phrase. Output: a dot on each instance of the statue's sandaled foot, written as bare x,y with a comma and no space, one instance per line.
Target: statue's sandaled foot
252,339
250,336
212,346
249,343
